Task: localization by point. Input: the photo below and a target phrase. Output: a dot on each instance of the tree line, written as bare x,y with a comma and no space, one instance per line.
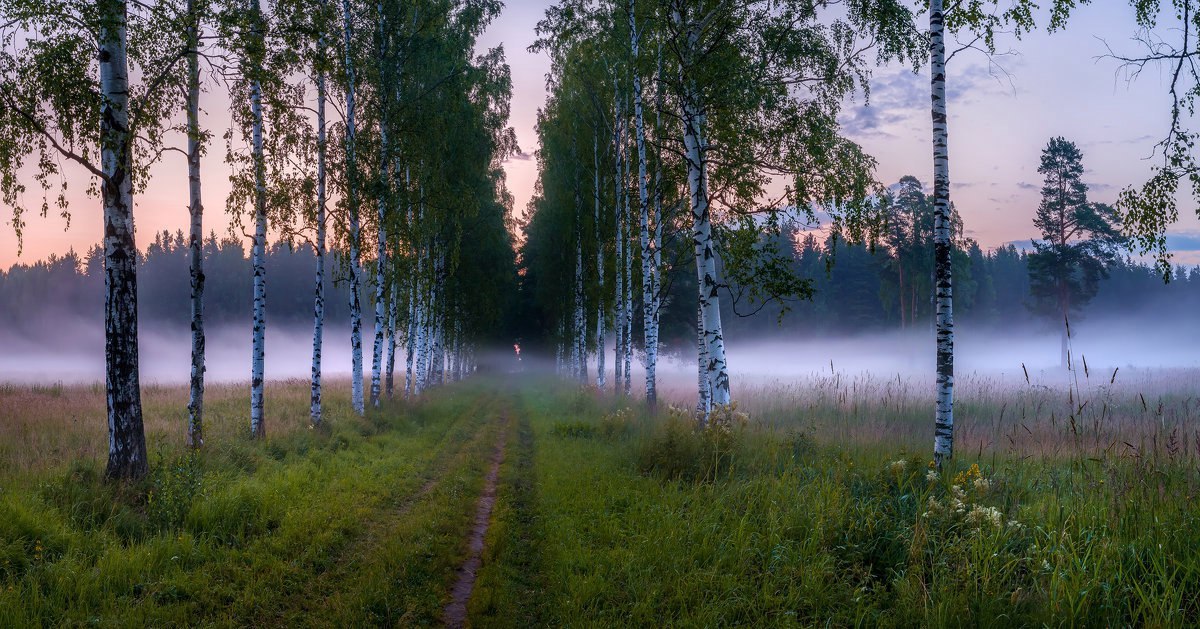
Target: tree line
369,128
683,140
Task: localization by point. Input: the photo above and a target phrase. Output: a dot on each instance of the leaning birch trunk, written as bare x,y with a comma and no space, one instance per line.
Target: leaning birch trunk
390,380
319,275
195,426
356,357
702,239
649,271
258,250
126,434
600,375
943,439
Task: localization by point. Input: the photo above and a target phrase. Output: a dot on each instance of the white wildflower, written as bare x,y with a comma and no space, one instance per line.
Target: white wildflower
931,476
982,485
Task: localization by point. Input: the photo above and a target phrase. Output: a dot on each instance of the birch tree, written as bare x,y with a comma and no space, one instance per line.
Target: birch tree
65,87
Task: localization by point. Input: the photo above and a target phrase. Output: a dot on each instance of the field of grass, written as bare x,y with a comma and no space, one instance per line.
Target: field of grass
814,506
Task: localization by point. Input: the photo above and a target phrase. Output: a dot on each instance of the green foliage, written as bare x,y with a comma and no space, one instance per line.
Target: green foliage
174,486
1080,240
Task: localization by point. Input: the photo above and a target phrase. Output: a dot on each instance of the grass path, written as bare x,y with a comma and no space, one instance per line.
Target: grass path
456,612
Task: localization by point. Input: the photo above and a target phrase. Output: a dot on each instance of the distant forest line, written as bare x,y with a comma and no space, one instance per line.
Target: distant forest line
855,288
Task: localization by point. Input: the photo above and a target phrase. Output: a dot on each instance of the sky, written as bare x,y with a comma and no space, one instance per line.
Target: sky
1002,114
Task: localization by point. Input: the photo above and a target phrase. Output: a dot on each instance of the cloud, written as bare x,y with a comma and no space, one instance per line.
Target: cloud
1025,185
897,96
519,156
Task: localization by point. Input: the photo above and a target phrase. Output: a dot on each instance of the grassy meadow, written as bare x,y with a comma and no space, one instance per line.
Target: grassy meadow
811,503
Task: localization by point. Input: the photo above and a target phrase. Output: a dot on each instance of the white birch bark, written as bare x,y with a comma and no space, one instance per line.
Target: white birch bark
195,427
411,322
618,213
702,239
600,375
579,332
315,409
943,440
356,357
390,381
380,270
703,393
627,272
258,247
385,180
649,270
126,435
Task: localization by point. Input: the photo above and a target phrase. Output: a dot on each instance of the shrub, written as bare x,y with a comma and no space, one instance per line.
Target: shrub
173,488
678,449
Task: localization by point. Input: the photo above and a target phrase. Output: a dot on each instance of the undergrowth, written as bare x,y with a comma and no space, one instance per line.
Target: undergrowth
750,522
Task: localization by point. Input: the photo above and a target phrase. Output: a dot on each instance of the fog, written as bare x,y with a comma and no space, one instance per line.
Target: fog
72,351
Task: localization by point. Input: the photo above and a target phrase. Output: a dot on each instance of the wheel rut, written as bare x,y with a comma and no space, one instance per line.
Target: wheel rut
455,614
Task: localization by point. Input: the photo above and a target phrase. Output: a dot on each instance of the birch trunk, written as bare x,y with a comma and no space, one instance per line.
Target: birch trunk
391,346
413,279
649,271
195,427
627,272
319,275
703,392
380,269
126,435
618,213
580,331
356,357
600,375
943,440
702,239
258,249
385,179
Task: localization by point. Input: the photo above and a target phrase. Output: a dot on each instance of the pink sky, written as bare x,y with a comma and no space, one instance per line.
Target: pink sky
1058,86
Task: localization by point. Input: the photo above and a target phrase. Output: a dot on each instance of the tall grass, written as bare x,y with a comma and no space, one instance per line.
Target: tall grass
782,524
49,427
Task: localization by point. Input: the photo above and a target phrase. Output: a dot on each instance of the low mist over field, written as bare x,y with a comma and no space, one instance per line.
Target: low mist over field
72,351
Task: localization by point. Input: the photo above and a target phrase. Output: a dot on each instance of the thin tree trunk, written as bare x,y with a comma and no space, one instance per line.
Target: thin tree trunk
319,275
195,427
385,180
1065,337
356,357
649,271
126,435
380,271
943,440
627,270
580,332
704,392
600,375
391,335
618,213
258,249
